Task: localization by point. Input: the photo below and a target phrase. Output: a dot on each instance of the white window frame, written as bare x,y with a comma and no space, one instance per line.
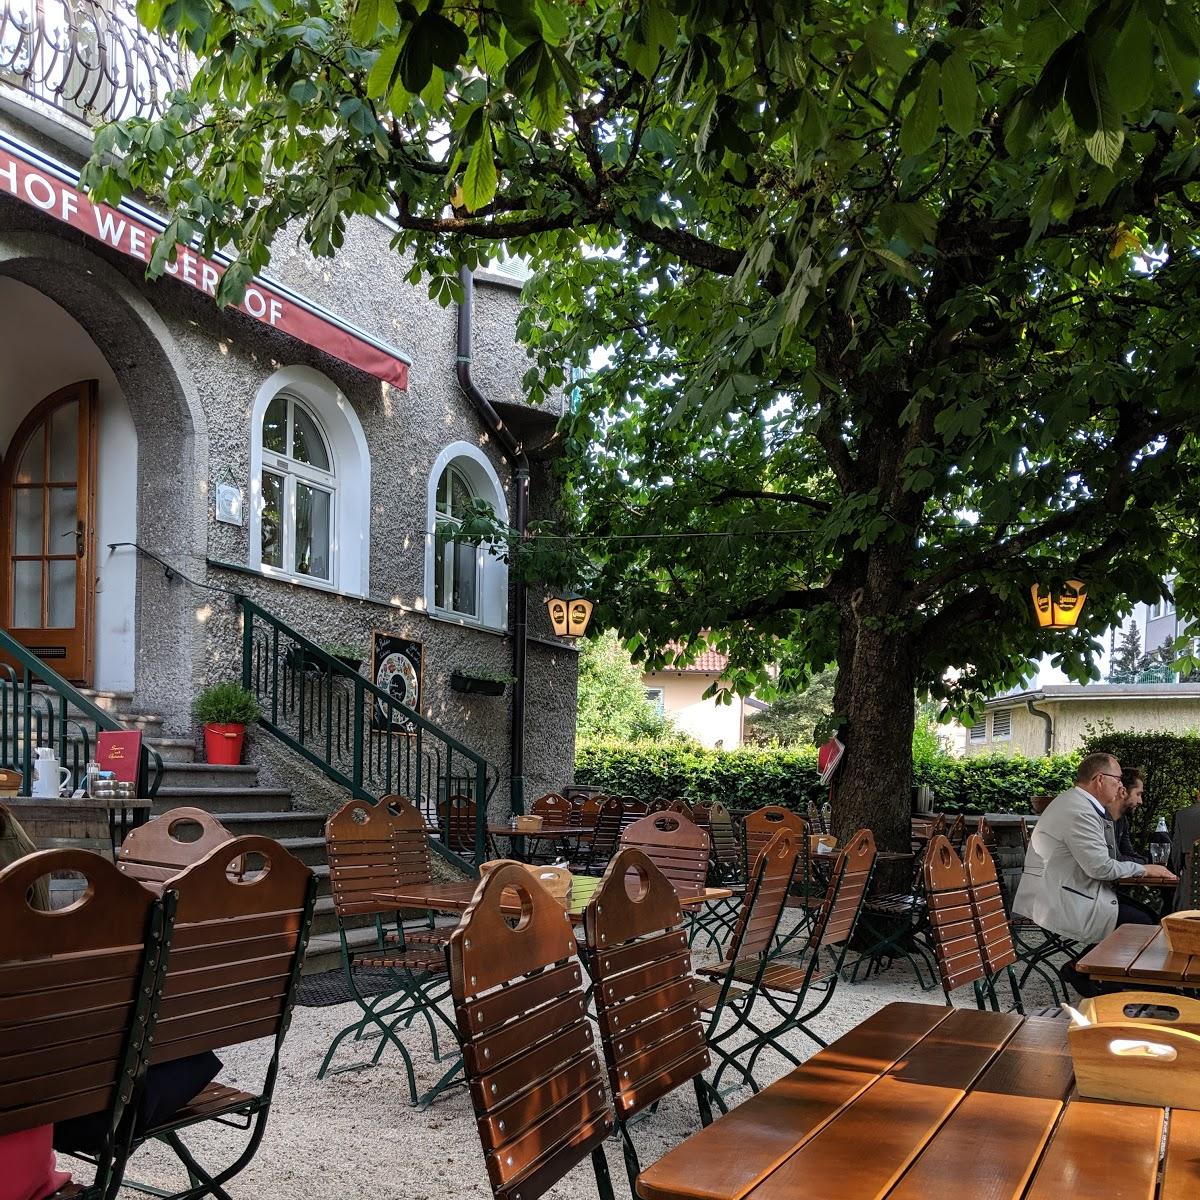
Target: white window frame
1006,736
350,460
450,561
491,574
657,698
978,731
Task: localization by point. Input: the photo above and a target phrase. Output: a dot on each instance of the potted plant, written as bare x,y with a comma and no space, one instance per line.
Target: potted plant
225,709
347,654
480,683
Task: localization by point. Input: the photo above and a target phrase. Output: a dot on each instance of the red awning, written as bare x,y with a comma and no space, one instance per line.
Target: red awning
39,181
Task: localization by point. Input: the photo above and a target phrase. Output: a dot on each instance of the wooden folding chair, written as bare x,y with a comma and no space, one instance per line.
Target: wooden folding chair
958,833
77,992
236,949
786,986
632,809
641,968
603,844
805,893
531,1060
680,850
555,810
374,850
737,980
1192,867
457,819
154,852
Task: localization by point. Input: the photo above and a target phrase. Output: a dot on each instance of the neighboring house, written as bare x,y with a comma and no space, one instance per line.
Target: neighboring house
679,694
160,453
1052,716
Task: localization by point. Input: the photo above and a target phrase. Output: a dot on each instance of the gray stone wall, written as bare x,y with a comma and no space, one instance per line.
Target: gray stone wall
191,373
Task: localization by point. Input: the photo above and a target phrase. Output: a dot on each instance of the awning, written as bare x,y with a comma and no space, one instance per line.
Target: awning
53,188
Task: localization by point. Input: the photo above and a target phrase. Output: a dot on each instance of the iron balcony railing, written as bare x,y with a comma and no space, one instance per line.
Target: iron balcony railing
38,707
362,737
89,58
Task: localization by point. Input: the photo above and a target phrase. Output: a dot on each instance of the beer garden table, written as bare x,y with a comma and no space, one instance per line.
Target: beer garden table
1138,955
552,833
921,1102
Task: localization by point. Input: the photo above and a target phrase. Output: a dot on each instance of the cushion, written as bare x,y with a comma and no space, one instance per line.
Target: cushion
27,1165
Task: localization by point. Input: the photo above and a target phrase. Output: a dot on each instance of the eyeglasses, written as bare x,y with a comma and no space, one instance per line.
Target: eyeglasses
1109,775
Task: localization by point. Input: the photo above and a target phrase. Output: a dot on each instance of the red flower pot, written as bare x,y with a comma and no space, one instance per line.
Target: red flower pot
223,744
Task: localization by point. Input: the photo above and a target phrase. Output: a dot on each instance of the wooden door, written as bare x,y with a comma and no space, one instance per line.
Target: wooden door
47,510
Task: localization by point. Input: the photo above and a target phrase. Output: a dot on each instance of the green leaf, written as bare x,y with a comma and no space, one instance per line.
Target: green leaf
1092,107
379,81
479,181
553,21
895,264
1132,61
364,22
921,124
959,93
546,103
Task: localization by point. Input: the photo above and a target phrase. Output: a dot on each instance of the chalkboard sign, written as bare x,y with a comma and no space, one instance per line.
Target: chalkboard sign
397,666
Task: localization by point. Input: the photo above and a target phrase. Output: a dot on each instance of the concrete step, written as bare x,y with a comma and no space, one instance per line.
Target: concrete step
173,750
310,850
209,775
325,949
241,802
147,724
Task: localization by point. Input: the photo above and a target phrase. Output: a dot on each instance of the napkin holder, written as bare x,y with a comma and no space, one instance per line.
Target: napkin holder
527,824
817,840
555,880
1134,1059
1182,930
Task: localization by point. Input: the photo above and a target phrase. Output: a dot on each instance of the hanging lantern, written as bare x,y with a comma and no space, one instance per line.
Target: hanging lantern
569,615
1061,611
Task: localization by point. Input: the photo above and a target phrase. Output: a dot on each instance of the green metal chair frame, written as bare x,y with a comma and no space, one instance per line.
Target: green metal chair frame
372,849
758,828
78,1010
531,1060
645,994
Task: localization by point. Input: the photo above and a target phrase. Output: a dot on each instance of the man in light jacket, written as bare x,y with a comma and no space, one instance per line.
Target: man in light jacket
1071,862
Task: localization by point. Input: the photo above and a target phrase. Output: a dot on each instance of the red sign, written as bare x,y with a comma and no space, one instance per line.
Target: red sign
119,751
37,183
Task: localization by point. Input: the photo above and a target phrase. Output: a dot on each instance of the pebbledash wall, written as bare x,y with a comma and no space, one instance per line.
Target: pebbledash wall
195,380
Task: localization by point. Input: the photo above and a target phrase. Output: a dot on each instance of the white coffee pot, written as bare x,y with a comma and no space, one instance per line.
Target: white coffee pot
49,778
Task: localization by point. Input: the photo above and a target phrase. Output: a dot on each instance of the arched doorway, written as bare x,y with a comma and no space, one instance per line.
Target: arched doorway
47,531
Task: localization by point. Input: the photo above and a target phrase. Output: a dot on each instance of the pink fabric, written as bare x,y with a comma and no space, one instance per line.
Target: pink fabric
27,1165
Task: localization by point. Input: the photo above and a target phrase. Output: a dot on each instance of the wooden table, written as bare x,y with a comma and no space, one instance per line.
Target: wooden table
921,1102
457,897
1138,954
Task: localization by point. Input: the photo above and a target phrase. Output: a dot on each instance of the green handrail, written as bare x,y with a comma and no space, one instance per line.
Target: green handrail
29,719
362,737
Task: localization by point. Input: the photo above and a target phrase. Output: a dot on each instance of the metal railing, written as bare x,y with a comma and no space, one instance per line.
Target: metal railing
362,737
90,58
38,707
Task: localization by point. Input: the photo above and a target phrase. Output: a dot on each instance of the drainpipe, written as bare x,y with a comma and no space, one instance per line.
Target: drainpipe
1041,712
515,452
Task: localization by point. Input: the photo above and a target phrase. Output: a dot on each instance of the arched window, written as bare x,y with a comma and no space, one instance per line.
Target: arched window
463,582
298,490
311,481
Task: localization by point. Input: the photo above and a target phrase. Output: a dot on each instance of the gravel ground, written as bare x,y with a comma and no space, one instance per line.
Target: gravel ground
353,1135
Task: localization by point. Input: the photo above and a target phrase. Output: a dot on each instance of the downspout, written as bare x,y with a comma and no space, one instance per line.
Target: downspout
515,452
1040,712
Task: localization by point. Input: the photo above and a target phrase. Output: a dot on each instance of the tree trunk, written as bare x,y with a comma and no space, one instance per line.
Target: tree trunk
874,786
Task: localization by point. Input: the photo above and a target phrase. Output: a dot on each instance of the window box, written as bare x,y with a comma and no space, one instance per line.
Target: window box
473,685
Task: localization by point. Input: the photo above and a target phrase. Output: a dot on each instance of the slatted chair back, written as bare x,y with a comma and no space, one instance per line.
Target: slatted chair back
236,949
726,853
983,827
555,810
987,907
584,813
154,852
632,809
1193,869
700,814
770,878
608,830
75,990
682,807
373,849
645,992
815,820
676,847
951,918
937,827
764,823
456,819
1024,834
958,832
847,890
528,1049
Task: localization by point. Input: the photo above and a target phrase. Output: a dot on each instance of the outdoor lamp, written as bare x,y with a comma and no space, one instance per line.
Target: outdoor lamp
569,614
1061,611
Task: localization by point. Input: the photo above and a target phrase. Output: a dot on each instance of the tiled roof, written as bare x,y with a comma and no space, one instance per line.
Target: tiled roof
709,661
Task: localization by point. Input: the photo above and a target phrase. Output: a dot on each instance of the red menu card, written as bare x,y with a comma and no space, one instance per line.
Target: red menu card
119,752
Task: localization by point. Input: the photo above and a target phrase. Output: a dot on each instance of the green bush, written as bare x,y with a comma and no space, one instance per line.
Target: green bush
226,703
751,777
1171,764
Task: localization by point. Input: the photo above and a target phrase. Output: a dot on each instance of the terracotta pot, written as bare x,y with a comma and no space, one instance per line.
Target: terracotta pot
223,744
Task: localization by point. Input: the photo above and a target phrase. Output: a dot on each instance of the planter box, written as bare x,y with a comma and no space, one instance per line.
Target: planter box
469,685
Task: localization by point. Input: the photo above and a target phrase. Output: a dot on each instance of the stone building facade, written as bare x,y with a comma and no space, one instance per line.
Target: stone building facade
227,456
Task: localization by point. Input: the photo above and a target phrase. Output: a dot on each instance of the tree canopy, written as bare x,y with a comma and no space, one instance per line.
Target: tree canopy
885,308
612,698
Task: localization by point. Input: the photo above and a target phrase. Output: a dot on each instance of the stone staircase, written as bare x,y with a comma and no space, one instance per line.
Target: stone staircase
234,796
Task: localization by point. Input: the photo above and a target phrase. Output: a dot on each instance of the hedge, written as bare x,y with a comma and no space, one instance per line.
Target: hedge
1171,764
751,776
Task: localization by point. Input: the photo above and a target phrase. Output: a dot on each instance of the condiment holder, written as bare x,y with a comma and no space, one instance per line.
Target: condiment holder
527,824
1182,931
555,880
821,843
1135,1059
